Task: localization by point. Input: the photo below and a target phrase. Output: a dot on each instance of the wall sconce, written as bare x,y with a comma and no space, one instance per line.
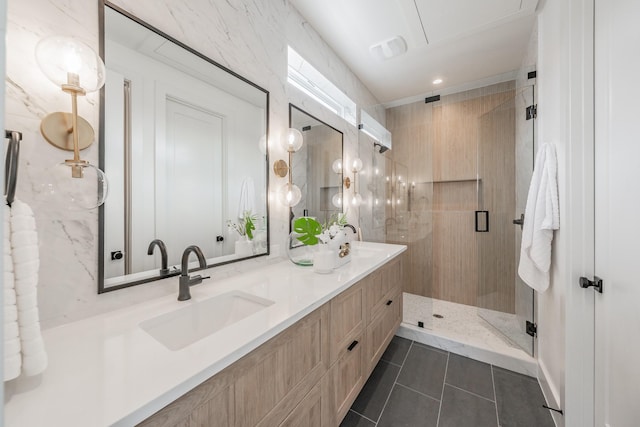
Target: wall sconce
77,69
356,166
289,194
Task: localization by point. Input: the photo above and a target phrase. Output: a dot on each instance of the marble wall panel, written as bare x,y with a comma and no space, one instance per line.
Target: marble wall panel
248,36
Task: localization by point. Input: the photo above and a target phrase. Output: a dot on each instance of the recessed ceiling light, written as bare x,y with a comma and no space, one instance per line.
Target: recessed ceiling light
437,81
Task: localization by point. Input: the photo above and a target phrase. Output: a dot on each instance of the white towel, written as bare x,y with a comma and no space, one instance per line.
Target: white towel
247,197
12,358
541,217
26,262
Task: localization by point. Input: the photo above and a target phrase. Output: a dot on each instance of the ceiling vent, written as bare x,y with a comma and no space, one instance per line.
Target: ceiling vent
389,48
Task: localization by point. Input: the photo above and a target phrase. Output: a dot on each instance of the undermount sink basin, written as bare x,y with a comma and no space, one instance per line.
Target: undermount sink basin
184,326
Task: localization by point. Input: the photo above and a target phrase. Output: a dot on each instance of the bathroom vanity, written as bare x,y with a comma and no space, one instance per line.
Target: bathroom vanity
300,357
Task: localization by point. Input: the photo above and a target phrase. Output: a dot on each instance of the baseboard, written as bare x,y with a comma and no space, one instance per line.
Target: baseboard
551,394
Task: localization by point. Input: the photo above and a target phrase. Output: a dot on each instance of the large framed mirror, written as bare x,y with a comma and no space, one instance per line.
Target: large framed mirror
315,167
183,143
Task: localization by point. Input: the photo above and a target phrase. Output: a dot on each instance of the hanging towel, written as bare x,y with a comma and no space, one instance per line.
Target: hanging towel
541,217
247,197
26,262
12,349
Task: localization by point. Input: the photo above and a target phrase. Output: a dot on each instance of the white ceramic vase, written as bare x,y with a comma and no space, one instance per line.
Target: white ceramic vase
244,247
324,260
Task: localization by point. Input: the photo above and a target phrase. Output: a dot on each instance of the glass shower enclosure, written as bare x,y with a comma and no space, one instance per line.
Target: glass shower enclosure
506,147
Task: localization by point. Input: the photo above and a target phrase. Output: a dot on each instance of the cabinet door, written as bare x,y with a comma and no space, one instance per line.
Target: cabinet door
272,380
343,382
209,404
308,413
347,318
381,330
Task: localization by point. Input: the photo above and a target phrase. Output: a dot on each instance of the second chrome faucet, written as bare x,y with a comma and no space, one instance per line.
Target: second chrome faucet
186,281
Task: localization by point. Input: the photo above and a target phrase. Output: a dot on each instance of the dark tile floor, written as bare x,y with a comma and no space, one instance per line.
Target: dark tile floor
418,385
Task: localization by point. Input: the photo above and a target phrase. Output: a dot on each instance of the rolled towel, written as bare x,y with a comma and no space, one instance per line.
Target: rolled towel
32,346
25,254
22,224
12,347
30,332
36,363
9,296
28,317
12,366
8,280
11,330
8,262
12,343
27,269
26,285
24,238
28,300
10,313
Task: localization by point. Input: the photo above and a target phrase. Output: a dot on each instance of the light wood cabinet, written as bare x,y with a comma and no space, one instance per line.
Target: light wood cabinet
381,330
343,382
308,413
211,400
347,318
309,374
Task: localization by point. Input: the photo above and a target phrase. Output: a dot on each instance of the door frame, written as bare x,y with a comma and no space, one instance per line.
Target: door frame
580,219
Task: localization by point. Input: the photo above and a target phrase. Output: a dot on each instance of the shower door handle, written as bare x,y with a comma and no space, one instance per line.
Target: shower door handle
482,221
520,221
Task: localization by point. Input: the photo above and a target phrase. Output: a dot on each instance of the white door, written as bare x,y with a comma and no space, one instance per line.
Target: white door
617,243
188,179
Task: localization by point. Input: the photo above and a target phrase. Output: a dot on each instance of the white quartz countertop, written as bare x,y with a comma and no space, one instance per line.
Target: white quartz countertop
106,370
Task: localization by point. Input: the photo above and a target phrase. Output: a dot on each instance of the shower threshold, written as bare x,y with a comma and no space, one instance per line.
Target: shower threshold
459,329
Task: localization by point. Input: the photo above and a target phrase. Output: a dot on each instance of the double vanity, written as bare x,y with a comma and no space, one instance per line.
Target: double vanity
279,345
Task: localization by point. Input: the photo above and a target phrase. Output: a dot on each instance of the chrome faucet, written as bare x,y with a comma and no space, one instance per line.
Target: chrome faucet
186,281
163,252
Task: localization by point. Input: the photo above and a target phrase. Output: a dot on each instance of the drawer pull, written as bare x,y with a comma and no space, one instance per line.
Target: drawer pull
389,302
352,345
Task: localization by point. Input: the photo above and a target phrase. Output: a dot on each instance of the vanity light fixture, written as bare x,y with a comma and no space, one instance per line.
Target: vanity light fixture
77,69
289,194
336,200
356,167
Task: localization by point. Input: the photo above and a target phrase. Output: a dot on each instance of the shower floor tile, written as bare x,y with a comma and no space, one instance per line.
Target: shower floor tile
460,329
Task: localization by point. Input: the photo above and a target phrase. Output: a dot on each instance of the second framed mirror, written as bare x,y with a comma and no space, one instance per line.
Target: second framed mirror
317,167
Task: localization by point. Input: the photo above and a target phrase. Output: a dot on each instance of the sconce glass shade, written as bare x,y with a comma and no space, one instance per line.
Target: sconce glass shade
336,200
356,165
61,57
76,194
289,195
337,166
293,141
262,144
356,200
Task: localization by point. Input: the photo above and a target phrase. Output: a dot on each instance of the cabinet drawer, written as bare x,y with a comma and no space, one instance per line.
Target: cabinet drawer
380,331
308,413
381,286
343,382
347,318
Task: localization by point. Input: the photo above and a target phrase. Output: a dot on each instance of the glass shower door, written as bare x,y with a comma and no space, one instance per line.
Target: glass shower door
505,166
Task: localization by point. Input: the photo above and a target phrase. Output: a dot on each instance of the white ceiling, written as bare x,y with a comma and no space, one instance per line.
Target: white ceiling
459,41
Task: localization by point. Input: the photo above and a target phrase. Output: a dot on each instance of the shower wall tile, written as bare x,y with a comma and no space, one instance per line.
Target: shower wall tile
248,36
